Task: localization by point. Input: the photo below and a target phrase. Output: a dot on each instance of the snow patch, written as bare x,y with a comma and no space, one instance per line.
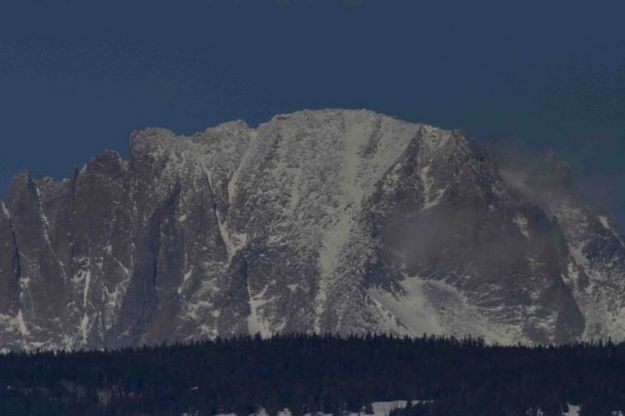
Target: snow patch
85,294
604,221
573,410
185,278
84,327
44,218
21,325
385,408
5,210
429,201
255,323
121,265
24,283
521,222
378,408
233,241
46,223
113,300
413,311
435,307
578,255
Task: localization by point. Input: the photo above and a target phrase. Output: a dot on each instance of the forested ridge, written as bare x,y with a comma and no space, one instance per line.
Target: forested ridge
307,373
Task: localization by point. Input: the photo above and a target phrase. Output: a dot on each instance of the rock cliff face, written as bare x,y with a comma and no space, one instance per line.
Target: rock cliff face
330,221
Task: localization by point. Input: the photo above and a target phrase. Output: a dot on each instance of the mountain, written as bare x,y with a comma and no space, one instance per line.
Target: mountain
338,221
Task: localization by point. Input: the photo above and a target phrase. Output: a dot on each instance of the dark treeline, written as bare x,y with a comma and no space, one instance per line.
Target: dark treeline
316,373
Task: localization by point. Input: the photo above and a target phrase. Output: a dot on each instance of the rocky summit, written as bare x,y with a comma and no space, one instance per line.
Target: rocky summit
326,221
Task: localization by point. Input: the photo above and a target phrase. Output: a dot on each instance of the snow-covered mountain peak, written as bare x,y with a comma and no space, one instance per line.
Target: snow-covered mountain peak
343,221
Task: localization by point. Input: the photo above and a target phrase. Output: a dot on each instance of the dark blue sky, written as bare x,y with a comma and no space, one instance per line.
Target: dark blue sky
77,76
